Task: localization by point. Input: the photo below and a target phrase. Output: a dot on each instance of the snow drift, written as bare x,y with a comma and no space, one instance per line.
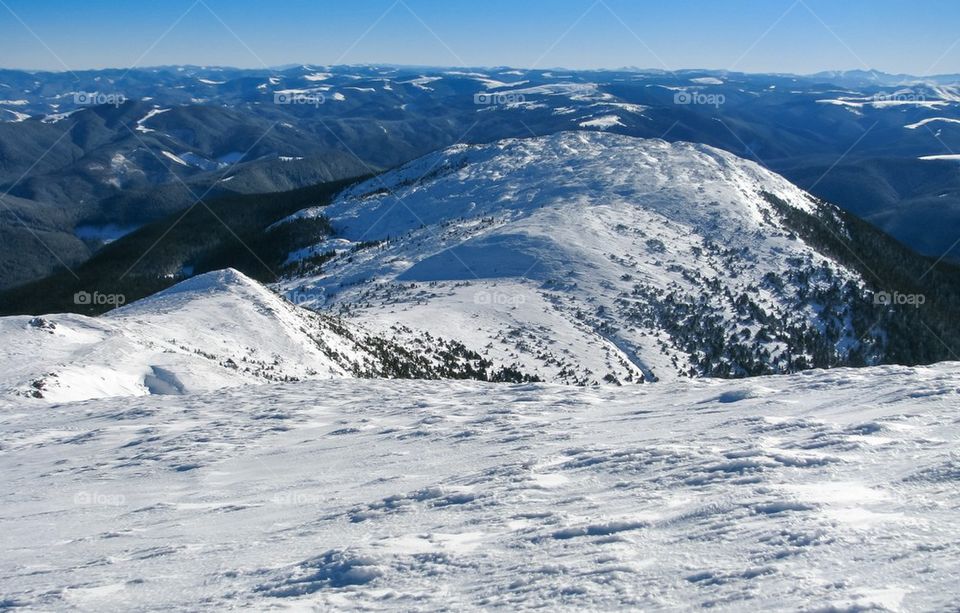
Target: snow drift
833,491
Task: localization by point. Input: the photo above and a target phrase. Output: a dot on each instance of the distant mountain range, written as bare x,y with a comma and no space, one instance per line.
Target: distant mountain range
87,157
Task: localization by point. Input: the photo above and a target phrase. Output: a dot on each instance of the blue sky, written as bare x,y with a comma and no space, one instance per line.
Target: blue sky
801,36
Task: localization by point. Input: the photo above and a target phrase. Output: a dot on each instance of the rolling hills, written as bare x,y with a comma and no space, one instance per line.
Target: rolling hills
105,152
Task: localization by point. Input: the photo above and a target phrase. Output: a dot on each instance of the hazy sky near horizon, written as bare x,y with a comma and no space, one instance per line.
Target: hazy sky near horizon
800,36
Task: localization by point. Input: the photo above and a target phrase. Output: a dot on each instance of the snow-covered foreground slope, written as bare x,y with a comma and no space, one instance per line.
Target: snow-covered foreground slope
833,490
587,257
216,330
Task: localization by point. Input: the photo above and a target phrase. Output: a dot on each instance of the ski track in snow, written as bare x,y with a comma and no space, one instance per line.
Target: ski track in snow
829,490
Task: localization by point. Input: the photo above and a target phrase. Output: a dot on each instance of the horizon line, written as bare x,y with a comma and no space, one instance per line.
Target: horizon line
448,68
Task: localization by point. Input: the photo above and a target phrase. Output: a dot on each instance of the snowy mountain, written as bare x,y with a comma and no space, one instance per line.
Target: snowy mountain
590,257
826,491
225,443
576,258
213,331
91,151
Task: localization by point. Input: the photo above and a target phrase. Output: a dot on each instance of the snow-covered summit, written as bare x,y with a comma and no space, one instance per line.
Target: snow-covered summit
588,256
595,169
218,281
220,329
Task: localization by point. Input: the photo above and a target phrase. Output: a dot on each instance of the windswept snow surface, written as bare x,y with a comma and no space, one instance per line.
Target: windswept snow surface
827,491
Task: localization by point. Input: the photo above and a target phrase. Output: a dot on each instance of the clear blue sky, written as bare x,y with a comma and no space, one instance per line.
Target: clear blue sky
801,36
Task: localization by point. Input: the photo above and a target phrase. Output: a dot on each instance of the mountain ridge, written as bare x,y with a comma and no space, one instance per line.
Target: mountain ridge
579,258
868,145
213,331
649,259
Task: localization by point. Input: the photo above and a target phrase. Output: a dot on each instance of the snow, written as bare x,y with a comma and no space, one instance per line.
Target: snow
858,103
303,92
830,490
947,92
17,116
488,82
199,161
573,91
630,108
421,82
528,250
57,117
121,169
603,123
216,330
174,158
152,113
707,81
923,122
